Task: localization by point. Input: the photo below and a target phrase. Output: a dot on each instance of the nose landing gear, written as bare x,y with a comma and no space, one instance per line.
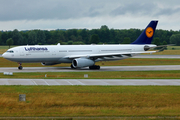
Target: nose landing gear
20,67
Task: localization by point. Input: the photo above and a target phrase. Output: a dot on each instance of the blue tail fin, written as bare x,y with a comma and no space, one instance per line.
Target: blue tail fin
147,35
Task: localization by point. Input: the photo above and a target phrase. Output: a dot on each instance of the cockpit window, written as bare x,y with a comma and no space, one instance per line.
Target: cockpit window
10,51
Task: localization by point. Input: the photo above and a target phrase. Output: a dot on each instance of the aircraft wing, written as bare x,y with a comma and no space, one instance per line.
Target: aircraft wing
107,55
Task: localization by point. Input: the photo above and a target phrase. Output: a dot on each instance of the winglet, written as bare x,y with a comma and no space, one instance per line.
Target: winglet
147,35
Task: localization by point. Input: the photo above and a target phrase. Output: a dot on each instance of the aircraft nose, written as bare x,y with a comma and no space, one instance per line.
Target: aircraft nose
4,55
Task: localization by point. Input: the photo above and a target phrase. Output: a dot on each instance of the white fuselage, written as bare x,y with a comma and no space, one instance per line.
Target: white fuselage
66,53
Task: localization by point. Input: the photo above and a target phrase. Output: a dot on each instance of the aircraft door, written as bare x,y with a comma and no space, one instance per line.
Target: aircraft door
21,51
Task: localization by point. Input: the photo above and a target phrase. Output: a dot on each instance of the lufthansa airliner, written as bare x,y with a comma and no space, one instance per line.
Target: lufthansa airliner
82,55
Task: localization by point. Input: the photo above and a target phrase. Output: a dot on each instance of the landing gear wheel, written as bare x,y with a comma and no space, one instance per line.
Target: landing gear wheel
72,66
94,67
20,67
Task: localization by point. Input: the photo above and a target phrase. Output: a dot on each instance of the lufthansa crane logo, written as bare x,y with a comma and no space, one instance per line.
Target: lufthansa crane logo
149,32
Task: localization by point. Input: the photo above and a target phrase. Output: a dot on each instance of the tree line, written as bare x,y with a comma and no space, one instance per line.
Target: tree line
104,35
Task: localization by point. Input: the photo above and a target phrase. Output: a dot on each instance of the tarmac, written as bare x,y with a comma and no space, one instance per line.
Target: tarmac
89,82
139,82
103,68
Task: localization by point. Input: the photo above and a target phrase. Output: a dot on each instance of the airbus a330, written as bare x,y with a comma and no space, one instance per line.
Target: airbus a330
82,55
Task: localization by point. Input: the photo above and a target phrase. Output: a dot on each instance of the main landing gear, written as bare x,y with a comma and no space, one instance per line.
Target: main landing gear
94,67
72,66
20,67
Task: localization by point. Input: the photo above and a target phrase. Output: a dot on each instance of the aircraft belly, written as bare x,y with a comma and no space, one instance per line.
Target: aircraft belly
29,60
64,60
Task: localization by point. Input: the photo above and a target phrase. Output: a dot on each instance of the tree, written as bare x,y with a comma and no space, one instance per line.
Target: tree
104,27
126,40
73,38
78,43
164,43
104,34
175,39
1,39
84,34
156,41
25,37
112,35
48,37
4,37
9,42
70,42
17,37
118,37
41,38
94,39
32,39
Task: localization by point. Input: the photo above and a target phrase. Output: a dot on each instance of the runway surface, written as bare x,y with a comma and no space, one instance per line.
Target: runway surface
140,82
103,68
95,81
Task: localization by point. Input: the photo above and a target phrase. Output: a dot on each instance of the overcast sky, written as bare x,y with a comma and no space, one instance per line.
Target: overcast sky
90,14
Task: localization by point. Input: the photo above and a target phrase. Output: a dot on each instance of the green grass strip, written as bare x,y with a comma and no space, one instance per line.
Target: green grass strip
91,101
169,74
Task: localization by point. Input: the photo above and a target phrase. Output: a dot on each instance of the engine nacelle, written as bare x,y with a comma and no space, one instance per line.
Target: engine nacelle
82,62
49,63
146,48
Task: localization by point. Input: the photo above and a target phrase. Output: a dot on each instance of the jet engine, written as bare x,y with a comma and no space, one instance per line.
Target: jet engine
49,63
146,48
82,62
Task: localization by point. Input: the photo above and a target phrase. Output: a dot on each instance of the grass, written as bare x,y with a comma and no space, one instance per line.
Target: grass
169,52
90,101
173,47
169,74
7,63
4,49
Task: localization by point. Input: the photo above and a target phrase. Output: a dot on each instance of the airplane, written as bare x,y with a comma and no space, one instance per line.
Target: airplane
81,56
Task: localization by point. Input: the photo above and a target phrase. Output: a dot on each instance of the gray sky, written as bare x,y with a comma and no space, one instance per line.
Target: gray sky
90,14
